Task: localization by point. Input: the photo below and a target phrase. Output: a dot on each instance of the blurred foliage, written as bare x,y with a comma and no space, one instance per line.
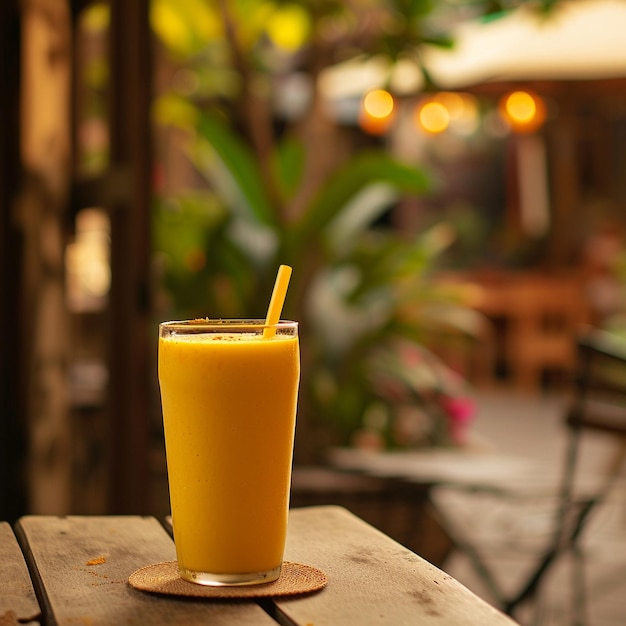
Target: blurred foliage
282,188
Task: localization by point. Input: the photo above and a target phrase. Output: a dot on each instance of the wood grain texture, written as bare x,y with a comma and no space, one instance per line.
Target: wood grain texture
81,566
374,580
17,596
84,563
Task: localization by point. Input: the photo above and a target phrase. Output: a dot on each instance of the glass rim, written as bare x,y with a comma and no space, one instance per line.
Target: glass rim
223,323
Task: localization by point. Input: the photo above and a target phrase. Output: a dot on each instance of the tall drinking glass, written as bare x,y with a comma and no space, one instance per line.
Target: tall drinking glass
229,392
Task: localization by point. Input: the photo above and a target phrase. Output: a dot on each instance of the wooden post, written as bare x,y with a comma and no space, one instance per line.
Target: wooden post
12,414
129,332
45,158
566,194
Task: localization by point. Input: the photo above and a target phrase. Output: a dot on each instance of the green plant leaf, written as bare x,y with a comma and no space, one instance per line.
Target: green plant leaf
240,163
288,162
363,170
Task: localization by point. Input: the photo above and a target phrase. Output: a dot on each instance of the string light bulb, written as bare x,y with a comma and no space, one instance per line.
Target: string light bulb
524,111
433,117
377,111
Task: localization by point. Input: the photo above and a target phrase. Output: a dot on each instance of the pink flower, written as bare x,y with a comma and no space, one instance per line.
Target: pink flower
459,410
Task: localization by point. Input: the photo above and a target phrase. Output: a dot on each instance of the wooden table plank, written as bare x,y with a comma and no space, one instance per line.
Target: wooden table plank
17,596
373,579
83,563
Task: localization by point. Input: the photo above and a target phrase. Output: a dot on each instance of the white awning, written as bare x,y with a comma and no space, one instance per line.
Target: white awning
579,40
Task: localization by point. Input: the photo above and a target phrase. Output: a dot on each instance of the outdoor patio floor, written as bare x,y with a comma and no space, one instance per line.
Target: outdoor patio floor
513,532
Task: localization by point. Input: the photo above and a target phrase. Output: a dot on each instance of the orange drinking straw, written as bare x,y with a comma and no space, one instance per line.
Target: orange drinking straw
277,300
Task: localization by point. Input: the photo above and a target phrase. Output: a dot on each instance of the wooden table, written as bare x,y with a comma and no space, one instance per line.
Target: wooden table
431,467
79,567
506,489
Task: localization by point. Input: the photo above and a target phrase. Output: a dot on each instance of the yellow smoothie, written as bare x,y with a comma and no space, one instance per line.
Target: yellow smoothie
229,409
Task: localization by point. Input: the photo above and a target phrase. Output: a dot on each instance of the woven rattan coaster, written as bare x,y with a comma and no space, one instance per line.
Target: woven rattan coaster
164,578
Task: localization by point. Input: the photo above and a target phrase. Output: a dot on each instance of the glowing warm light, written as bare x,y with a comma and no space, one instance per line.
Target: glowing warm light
87,262
448,110
433,117
521,107
524,111
377,111
378,103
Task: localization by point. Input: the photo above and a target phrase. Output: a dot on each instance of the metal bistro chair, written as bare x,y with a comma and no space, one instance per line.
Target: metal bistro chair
598,404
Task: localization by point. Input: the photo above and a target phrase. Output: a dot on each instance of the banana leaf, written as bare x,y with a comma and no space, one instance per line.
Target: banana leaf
241,165
352,178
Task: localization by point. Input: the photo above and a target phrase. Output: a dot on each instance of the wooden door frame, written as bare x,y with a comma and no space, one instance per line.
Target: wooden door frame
12,410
